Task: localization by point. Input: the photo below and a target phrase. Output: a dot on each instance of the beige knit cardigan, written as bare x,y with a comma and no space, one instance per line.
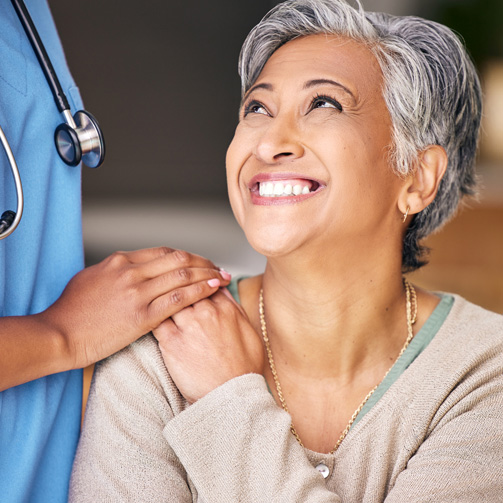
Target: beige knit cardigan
436,435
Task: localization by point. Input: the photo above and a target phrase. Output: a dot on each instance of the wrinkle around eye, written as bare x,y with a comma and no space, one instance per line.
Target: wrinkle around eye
254,107
326,102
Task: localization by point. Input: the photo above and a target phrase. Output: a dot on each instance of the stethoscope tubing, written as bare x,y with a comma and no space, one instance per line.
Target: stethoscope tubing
78,139
17,181
42,56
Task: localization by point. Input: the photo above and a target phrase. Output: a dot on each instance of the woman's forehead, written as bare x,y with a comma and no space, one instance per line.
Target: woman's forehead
325,56
316,56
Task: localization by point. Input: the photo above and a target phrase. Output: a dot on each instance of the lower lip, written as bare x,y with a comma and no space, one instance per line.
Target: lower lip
256,198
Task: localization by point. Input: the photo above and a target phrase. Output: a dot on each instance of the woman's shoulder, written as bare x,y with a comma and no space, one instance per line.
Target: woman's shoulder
139,369
474,322
143,353
122,448
468,343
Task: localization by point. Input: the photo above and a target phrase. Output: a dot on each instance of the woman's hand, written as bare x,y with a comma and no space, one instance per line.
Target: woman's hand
109,305
209,343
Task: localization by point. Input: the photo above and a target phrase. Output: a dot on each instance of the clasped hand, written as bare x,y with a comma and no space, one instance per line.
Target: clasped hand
208,344
109,305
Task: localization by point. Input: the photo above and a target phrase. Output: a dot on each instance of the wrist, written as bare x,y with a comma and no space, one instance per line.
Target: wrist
30,348
61,348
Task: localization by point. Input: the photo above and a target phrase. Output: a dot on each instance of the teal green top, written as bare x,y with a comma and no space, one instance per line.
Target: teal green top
414,349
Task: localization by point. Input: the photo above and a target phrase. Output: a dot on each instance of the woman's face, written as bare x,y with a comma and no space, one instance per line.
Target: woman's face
308,165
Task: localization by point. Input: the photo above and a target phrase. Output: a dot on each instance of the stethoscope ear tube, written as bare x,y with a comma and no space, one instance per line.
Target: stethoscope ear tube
10,220
81,138
41,53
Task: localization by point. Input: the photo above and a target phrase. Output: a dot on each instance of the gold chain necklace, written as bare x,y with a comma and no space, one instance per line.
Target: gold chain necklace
411,309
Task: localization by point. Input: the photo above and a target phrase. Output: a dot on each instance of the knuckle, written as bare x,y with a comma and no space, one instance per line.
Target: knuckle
205,312
184,274
117,259
198,290
181,256
165,250
176,298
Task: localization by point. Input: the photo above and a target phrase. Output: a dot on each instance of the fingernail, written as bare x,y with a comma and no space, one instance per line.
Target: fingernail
226,275
214,282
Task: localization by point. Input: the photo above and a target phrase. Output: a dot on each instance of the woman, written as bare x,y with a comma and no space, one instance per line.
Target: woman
334,379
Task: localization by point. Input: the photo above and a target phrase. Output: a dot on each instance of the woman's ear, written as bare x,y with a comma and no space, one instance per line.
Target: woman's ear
421,187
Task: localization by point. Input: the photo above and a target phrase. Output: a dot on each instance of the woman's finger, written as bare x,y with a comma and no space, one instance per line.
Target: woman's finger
228,294
165,331
223,295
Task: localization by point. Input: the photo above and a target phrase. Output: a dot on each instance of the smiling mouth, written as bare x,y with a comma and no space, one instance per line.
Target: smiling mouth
284,188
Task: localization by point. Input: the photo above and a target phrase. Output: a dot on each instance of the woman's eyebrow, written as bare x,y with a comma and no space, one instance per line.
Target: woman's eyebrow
307,85
317,82
263,85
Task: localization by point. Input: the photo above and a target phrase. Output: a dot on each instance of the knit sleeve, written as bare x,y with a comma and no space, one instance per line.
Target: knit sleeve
461,458
236,445
122,454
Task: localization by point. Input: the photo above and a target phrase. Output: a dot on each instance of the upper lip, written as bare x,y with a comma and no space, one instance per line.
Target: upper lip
264,177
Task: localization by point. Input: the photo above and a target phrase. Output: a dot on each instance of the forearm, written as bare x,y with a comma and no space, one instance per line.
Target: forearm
103,309
122,455
234,441
236,445
30,347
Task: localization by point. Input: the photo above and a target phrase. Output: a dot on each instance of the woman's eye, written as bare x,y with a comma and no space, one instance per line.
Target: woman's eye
325,102
254,107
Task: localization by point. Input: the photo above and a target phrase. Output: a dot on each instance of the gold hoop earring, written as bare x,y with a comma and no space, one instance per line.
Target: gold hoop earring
406,214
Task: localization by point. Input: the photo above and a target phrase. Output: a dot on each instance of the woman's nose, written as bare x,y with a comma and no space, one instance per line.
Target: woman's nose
280,141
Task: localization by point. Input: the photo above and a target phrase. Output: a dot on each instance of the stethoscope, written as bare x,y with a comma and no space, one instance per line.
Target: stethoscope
78,139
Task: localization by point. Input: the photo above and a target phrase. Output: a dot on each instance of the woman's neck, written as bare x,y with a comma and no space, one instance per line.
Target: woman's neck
334,334
330,323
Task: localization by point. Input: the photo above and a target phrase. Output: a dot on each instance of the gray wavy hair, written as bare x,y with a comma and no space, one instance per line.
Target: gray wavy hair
431,89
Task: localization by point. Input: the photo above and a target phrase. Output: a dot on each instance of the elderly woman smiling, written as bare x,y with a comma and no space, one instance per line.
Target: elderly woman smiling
331,379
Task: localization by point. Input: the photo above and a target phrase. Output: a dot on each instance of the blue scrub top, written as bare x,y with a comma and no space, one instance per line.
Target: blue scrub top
40,420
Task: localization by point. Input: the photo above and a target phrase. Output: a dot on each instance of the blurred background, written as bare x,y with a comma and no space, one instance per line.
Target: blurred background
161,77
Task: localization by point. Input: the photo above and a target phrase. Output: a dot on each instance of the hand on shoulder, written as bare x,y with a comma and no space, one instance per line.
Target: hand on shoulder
208,344
109,305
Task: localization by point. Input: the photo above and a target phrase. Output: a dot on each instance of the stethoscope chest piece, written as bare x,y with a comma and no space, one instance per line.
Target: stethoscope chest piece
80,139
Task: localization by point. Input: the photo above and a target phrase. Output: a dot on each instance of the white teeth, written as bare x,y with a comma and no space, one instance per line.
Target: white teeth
268,188
278,189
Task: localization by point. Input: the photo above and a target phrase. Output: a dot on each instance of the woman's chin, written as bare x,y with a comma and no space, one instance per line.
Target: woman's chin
277,234
273,246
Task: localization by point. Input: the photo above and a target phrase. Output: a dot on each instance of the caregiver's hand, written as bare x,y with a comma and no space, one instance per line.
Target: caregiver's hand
109,305
207,344
104,308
